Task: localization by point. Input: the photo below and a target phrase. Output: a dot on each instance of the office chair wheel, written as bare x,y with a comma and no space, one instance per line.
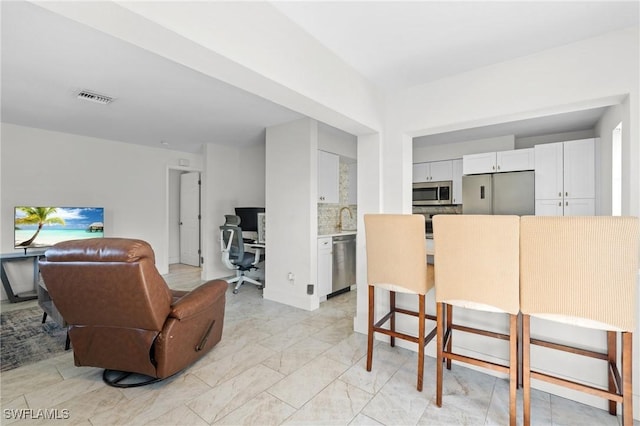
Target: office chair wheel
235,291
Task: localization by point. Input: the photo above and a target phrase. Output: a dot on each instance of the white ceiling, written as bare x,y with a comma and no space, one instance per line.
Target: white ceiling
47,59
156,101
402,44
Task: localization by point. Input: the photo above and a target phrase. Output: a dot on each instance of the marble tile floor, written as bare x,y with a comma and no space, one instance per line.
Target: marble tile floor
281,365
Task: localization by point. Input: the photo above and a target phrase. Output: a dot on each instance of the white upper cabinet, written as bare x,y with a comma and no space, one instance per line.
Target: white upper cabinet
457,181
579,169
328,177
515,160
549,171
473,164
497,162
440,170
432,171
565,178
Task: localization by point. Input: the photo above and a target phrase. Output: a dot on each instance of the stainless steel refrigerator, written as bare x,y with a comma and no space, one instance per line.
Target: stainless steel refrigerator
499,193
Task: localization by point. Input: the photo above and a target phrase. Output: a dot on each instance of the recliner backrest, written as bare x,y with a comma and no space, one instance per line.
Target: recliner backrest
107,282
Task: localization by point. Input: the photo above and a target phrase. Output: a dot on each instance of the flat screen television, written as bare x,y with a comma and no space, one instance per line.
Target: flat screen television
249,217
38,227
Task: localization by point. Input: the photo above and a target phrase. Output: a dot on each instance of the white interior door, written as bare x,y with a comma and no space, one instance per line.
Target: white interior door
190,218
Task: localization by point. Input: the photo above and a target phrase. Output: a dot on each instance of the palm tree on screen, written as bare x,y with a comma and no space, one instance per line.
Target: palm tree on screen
39,216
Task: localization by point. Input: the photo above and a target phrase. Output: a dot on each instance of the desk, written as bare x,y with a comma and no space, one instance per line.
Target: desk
258,249
46,303
6,283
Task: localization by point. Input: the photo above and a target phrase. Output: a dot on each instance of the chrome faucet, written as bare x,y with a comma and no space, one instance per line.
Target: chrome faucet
339,225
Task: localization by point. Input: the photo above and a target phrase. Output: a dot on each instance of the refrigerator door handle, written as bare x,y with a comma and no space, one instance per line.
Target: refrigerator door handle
482,192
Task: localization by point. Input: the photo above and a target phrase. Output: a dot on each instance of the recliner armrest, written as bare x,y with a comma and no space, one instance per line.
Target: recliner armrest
198,299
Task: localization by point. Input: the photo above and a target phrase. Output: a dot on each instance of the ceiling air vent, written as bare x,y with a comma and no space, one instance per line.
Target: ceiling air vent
95,97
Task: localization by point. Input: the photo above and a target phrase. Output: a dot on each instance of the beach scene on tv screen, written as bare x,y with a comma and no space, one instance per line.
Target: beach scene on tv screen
46,226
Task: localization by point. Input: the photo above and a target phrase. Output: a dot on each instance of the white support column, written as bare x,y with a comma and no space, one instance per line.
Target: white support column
369,201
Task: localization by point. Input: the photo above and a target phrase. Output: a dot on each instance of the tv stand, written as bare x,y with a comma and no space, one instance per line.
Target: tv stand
6,283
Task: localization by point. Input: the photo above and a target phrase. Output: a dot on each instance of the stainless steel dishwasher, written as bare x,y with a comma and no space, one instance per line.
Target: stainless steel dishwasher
344,263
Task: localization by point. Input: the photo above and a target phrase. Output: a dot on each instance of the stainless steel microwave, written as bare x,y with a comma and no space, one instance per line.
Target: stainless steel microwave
432,193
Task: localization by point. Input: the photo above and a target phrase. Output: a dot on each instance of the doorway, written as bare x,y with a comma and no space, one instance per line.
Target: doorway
184,217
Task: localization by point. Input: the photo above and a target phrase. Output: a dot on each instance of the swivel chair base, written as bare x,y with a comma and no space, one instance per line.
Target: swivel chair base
117,379
241,279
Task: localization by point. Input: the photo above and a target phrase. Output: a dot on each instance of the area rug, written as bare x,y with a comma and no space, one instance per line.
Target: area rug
24,339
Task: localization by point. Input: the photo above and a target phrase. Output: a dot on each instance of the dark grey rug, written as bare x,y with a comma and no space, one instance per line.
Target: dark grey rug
25,340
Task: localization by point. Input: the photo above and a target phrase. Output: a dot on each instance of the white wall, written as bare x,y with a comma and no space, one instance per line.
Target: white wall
449,151
531,141
233,177
291,178
174,216
369,201
605,127
336,141
50,168
129,181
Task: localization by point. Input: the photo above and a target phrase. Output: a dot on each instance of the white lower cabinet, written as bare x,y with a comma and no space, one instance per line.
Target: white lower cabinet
579,207
549,208
325,266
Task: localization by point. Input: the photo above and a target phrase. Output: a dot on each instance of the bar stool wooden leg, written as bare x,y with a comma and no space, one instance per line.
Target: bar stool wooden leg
526,369
392,321
421,318
626,364
370,334
612,355
513,367
447,329
439,343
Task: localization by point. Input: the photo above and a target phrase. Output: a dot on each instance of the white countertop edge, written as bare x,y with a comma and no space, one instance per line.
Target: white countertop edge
336,234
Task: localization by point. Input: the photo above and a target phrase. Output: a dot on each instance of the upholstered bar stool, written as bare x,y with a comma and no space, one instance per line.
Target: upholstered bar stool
581,271
397,262
476,267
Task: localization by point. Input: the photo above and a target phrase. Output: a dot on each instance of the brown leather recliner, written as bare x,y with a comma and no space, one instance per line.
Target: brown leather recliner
123,317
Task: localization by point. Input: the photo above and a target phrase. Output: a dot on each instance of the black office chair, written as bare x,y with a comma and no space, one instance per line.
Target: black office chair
233,255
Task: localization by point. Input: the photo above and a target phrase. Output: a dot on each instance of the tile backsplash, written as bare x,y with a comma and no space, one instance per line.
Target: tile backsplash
328,212
453,209
328,217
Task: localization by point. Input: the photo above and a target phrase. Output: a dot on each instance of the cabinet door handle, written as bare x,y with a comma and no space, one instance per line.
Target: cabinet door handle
493,167
566,194
498,167
559,194
567,203
559,203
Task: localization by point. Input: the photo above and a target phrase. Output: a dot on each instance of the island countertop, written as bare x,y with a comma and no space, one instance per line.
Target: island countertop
337,234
